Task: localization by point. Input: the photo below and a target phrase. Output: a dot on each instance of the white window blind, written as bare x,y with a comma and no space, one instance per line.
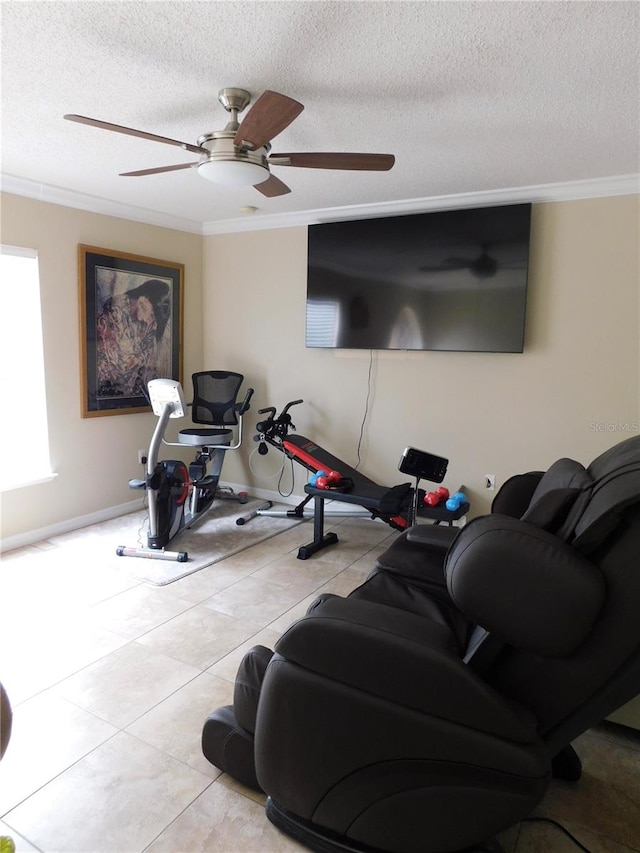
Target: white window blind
24,436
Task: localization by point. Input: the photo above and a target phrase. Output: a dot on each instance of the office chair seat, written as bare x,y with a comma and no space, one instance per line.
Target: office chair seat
204,437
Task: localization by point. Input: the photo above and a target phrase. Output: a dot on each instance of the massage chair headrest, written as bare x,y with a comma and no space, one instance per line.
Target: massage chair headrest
584,505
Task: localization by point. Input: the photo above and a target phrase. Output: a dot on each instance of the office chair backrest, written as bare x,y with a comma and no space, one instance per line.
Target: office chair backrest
214,397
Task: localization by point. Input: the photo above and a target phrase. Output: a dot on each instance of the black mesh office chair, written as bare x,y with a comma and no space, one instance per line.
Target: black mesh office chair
215,406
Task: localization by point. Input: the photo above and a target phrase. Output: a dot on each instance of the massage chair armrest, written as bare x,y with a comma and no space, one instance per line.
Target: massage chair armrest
432,535
400,657
524,585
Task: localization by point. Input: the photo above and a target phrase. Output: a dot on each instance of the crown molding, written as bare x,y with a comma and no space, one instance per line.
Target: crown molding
567,191
94,204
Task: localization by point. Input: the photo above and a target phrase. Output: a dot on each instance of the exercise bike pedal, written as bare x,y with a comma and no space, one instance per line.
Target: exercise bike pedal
208,482
205,482
137,484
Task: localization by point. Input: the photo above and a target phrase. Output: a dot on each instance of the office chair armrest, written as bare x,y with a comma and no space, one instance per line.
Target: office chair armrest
244,405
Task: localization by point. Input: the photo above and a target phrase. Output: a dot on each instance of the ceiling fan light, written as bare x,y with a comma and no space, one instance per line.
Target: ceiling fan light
233,173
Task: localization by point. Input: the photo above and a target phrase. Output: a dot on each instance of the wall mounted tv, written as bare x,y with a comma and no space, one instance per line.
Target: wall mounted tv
452,280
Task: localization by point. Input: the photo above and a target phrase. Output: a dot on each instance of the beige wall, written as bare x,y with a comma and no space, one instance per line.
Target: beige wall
94,458
565,395
245,308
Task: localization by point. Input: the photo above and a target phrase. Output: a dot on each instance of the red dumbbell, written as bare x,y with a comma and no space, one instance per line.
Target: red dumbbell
437,497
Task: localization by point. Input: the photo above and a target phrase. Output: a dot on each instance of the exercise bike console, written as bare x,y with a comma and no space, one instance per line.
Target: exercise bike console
167,392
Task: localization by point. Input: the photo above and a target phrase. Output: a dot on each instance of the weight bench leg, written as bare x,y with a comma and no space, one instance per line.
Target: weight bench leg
320,538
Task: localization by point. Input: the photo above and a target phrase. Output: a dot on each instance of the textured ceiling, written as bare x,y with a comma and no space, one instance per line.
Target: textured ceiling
469,96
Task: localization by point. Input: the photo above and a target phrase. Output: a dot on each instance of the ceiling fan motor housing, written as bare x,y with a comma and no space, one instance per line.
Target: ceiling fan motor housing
226,164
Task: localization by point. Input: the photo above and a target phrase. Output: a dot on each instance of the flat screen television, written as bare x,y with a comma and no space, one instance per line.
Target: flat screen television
452,280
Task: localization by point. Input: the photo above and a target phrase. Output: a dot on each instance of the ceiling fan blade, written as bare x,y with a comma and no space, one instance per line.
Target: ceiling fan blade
268,117
272,187
139,172
364,162
130,131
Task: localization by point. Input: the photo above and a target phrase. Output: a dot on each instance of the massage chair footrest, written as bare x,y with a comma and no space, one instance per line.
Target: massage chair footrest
230,747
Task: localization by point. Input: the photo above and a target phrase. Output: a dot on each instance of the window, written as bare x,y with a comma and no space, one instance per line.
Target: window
24,437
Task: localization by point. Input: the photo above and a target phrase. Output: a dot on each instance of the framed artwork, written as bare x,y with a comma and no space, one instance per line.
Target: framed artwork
131,315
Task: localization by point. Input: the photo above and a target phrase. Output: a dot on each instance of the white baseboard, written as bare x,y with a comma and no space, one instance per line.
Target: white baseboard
30,537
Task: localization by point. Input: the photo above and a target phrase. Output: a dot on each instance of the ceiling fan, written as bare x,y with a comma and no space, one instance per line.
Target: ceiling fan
239,154
482,266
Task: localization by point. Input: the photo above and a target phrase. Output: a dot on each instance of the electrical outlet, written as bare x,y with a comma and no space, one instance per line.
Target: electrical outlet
490,482
142,457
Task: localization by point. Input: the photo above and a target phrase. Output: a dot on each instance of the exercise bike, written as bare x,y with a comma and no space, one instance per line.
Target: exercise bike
179,496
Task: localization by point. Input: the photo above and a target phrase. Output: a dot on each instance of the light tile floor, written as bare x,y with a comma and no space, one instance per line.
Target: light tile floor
111,680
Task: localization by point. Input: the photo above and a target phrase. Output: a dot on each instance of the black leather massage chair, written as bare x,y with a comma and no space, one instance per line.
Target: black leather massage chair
429,709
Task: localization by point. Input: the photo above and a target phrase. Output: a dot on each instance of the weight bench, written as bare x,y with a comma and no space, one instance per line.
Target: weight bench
390,504
397,506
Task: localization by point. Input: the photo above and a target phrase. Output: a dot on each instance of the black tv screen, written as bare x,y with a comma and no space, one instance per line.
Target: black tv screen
452,280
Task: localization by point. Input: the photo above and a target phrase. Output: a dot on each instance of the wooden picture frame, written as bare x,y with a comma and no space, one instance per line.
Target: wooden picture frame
131,318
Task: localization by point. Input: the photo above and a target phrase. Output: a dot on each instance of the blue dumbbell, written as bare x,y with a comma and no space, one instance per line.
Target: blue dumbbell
456,501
